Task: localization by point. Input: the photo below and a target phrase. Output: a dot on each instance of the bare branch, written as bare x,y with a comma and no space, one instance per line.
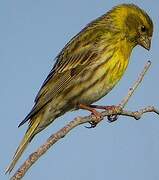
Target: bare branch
138,114
81,120
135,85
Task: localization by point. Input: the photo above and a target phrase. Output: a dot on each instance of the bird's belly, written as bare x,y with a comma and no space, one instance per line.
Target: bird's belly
96,92
102,81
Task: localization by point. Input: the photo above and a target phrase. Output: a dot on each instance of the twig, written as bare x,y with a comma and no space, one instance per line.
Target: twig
135,85
81,120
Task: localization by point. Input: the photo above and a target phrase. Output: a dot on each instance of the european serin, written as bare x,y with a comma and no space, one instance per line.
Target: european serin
88,67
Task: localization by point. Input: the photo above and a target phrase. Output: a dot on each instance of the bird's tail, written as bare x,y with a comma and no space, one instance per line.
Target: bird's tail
25,141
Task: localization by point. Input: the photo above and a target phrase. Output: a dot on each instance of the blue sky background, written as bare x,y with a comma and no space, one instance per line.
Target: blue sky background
31,35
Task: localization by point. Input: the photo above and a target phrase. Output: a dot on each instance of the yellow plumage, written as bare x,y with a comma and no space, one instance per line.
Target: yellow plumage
88,67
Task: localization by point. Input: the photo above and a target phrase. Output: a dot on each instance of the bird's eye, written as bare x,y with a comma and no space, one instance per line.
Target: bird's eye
143,29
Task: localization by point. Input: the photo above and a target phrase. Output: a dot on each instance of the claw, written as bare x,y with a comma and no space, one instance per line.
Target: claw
97,115
112,118
93,125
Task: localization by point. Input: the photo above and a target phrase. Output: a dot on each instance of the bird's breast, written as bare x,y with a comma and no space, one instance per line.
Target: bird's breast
103,79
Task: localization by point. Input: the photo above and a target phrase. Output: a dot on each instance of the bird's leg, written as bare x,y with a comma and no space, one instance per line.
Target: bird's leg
111,118
94,112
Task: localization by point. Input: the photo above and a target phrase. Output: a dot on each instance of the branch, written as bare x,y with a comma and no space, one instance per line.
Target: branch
81,120
135,85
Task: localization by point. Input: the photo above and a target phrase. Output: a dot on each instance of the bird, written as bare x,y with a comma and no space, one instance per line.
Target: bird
88,68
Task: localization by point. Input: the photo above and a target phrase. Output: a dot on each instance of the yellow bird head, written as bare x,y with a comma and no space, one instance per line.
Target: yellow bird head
126,21
134,23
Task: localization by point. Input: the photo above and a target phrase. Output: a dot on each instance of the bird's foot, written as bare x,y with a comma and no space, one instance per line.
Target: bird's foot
113,108
112,118
97,116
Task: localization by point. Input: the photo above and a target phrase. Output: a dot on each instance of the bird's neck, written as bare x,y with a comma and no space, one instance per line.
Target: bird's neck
125,48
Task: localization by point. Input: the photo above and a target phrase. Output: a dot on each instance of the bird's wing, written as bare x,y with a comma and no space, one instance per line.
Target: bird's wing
64,73
79,54
66,69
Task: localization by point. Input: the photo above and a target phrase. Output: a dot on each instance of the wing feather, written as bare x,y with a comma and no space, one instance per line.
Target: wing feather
77,55
58,80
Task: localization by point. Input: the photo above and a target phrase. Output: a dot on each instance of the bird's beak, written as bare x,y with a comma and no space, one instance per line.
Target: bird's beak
145,42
